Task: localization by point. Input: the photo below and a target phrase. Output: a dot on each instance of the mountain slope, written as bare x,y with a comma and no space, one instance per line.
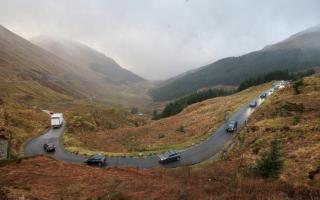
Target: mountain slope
93,63
23,63
32,79
292,118
33,75
109,82
300,51
304,39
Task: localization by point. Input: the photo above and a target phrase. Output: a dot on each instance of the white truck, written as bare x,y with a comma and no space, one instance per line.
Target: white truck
56,120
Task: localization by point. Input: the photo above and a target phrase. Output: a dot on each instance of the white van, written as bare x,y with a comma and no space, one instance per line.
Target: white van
56,120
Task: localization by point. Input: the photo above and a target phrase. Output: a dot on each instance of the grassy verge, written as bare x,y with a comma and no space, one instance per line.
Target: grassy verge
83,151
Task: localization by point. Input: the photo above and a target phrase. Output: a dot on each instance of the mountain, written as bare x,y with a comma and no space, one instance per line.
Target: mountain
67,70
304,39
109,81
27,71
298,52
93,64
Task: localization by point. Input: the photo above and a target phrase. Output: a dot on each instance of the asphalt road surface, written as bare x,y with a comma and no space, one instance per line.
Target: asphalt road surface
192,155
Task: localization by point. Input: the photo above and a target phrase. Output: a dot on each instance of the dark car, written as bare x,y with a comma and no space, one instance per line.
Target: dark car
232,126
263,95
169,156
253,104
98,159
49,147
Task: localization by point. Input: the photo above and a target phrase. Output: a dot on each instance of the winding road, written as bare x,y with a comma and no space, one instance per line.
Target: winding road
195,154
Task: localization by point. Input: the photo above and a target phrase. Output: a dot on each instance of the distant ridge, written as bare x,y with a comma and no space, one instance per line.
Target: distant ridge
298,52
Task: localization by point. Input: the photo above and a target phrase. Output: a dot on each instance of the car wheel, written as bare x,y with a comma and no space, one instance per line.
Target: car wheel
100,164
178,158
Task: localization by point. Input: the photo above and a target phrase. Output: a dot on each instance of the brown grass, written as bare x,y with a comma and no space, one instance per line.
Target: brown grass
298,130
44,178
23,124
198,121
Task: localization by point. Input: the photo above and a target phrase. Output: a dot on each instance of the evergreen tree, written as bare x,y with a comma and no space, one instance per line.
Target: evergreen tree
274,75
178,105
296,86
156,115
134,110
271,163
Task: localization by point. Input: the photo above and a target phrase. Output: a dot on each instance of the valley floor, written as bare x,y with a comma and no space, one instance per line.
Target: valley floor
290,117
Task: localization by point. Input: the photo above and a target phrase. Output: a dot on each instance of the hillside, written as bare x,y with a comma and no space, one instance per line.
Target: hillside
303,39
300,51
294,120
32,75
32,79
21,62
195,123
109,82
227,176
41,178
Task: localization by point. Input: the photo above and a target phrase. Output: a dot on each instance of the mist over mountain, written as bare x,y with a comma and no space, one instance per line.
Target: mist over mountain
64,69
22,62
298,52
305,39
94,65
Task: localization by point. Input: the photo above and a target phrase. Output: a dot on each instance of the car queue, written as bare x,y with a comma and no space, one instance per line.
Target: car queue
170,155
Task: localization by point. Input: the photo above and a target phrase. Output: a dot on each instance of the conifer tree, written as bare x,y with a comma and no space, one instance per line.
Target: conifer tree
271,163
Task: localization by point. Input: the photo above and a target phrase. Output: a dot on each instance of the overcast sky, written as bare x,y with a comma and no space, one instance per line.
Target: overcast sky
158,39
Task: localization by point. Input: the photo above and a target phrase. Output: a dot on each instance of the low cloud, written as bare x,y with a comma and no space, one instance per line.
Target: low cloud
162,38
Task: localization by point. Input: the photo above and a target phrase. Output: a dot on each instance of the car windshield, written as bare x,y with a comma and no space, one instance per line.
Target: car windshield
231,123
169,153
98,157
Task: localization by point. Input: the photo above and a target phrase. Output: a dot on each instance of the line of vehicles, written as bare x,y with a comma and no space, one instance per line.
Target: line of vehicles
56,121
169,156
101,160
231,127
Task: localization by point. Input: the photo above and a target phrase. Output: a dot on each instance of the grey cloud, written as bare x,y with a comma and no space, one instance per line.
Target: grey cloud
162,38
